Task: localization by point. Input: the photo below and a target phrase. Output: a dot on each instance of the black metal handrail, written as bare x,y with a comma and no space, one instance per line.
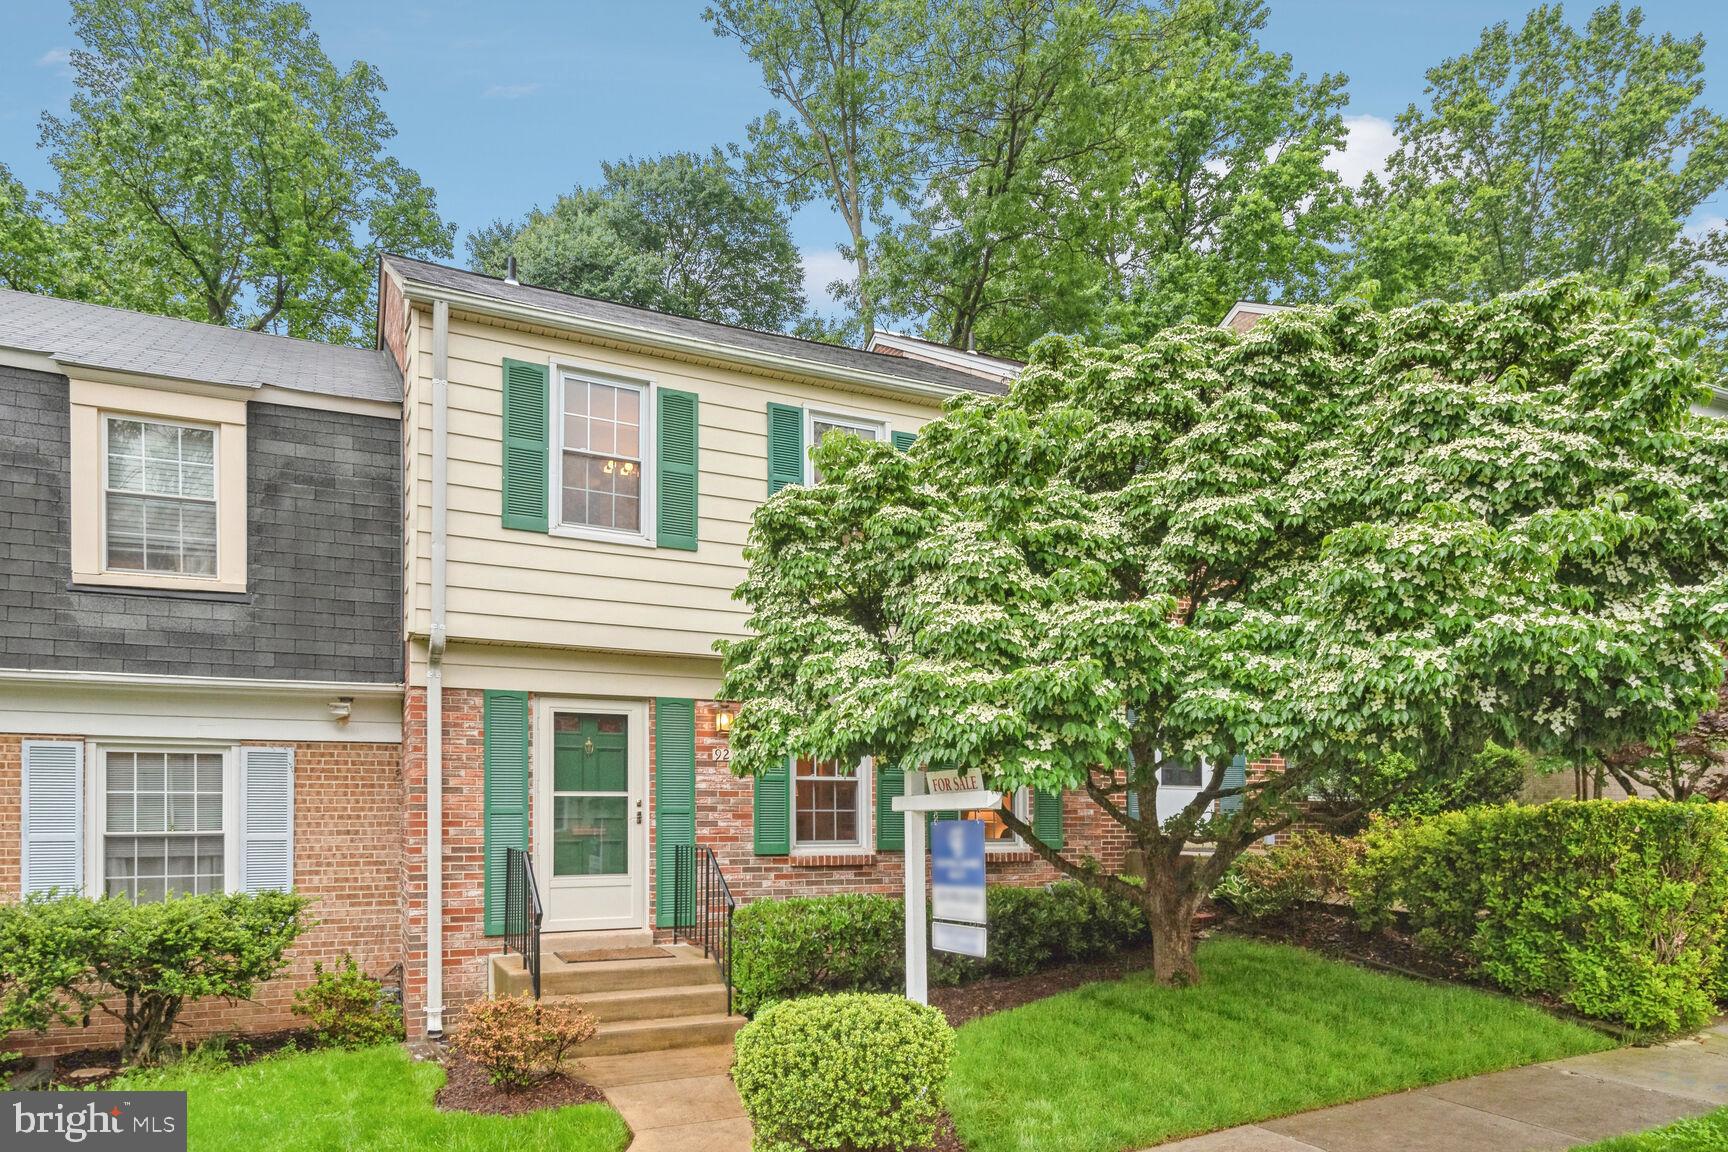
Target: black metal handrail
522,913
702,907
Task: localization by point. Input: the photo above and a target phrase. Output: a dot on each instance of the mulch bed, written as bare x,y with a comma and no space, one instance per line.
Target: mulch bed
1000,993
241,1049
1332,932
466,1089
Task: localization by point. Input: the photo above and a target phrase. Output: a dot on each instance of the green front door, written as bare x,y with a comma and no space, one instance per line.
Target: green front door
594,817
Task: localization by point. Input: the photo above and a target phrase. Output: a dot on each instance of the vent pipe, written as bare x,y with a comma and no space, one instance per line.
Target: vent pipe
510,271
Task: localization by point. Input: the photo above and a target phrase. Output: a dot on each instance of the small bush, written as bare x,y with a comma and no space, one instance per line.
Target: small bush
1310,867
347,1008
783,949
143,963
853,1071
520,1040
1618,909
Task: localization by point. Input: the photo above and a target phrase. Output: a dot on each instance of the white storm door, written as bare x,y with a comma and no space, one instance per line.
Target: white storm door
590,822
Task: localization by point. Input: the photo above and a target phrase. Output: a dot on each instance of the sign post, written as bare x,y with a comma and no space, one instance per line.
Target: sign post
952,796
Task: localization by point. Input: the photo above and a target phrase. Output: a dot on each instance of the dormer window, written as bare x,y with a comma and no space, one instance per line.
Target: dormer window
159,497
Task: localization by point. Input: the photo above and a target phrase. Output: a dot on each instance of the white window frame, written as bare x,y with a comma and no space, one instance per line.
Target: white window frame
107,418
865,774
562,371
1015,842
96,805
853,420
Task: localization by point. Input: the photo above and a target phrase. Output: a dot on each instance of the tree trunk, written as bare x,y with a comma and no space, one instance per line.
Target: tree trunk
1170,909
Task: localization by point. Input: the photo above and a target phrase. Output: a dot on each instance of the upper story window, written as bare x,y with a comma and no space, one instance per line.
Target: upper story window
159,497
821,423
158,489
602,458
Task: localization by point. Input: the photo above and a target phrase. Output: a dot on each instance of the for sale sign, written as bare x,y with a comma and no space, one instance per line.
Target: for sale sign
957,886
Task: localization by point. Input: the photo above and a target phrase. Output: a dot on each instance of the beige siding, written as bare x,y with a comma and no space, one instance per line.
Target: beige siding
510,587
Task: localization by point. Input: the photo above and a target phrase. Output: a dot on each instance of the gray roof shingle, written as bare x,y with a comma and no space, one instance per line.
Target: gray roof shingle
94,336
818,355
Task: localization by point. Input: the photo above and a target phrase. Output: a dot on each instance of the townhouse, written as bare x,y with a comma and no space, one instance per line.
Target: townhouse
200,623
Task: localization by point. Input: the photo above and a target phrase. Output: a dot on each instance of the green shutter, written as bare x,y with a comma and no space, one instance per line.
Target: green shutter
526,392
890,825
785,446
504,758
675,427
1047,817
674,802
773,811
1235,776
903,440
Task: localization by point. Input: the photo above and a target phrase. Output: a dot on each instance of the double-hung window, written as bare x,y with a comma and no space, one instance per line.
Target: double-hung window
820,423
164,824
159,497
604,431
830,804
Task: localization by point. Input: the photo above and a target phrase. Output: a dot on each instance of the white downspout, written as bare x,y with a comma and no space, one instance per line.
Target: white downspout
435,676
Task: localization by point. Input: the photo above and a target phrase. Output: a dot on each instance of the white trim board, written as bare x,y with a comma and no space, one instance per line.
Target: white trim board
94,709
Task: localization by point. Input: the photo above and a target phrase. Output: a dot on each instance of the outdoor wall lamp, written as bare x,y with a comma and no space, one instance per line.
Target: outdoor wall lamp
723,720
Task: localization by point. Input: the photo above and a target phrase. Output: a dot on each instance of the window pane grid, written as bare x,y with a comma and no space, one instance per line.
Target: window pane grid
163,824
825,803
602,460
160,503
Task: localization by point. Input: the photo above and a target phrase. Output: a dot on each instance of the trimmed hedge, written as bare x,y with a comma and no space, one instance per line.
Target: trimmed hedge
843,1072
784,949
1618,909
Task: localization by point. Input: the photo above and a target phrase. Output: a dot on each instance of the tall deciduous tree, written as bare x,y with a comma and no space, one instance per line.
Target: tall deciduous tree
681,233
1548,151
215,164
837,70
1341,537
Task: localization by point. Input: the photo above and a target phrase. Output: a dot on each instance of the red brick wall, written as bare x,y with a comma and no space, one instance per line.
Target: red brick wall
465,943
724,821
347,815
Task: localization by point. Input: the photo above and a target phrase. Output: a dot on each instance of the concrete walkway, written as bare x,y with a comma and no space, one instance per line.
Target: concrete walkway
1544,1106
680,1100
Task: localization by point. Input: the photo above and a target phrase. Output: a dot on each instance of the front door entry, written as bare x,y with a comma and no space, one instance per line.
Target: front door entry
593,830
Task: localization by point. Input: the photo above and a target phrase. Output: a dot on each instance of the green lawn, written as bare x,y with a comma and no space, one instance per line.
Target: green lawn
1707,1133
1271,1030
379,1099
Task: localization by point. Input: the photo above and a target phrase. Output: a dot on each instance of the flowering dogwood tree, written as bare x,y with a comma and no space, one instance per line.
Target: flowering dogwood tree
1341,536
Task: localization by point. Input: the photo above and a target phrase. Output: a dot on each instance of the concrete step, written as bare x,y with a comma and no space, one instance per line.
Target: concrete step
596,941
686,966
622,1036
649,1003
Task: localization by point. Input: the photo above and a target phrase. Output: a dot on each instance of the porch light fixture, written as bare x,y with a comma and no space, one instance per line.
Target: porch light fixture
723,720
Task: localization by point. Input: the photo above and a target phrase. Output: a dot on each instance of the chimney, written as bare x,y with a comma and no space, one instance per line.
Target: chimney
510,271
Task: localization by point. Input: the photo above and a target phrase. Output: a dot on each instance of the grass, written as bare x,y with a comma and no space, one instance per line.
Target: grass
1271,1030
1706,1133
379,1099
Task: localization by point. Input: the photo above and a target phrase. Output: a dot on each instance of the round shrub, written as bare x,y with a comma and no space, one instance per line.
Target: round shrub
853,1071
520,1040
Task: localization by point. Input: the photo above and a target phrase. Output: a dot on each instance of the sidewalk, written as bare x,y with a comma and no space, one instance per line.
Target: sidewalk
1559,1105
677,1101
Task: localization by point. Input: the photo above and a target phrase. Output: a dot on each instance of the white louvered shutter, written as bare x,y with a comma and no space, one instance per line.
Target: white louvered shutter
266,819
53,817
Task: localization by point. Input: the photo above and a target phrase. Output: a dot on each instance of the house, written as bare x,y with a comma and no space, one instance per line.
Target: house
581,479
200,622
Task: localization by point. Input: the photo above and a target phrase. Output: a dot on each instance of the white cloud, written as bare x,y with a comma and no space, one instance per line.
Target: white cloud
510,91
59,59
823,266
1369,141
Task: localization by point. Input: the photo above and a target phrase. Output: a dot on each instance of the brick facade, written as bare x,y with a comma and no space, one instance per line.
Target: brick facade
347,819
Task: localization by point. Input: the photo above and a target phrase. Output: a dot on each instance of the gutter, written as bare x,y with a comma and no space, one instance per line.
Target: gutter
435,674
200,683
671,342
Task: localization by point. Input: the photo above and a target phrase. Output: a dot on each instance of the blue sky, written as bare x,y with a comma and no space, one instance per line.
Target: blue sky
502,105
